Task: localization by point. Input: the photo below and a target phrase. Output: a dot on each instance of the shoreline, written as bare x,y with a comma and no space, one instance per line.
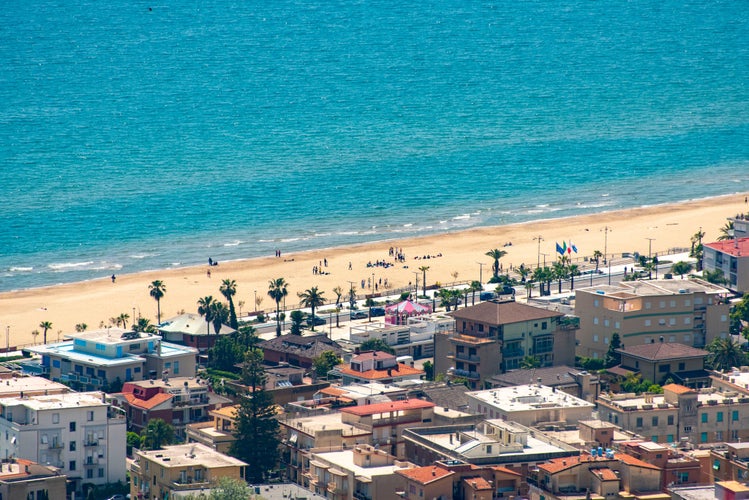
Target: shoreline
94,301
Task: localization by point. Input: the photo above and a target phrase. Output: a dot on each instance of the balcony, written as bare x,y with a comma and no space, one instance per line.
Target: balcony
91,442
188,483
91,461
518,352
361,496
543,349
337,489
54,445
466,374
467,357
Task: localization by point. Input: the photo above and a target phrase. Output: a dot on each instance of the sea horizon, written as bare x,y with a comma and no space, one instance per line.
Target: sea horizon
136,138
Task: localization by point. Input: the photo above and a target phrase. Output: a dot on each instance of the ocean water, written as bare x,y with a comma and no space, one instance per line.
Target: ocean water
138,135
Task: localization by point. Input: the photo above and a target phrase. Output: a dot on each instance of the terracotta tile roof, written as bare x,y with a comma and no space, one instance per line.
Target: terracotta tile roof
367,355
477,483
307,347
503,313
677,389
147,404
660,351
425,475
605,474
500,468
403,370
740,248
405,404
559,464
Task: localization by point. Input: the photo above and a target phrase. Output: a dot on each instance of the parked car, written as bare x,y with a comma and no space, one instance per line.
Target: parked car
377,311
315,320
487,295
507,290
359,314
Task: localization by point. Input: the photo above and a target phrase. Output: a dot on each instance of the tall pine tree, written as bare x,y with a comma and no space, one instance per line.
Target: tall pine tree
256,427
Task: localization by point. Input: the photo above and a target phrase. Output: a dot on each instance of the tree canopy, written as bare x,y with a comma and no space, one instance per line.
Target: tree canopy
157,434
326,362
376,345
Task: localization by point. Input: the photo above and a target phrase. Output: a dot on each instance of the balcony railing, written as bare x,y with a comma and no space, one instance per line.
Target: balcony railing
91,442
336,489
467,357
513,352
466,373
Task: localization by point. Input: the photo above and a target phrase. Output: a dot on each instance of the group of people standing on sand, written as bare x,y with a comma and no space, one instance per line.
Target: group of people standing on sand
397,253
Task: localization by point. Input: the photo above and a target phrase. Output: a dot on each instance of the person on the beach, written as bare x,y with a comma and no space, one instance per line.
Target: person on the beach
113,278
208,273
210,261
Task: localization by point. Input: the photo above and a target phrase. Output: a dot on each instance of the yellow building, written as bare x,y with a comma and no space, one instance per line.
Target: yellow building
192,467
218,433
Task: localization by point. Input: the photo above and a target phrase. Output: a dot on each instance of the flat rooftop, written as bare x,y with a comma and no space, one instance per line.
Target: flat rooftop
110,336
191,454
534,446
527,398
67,349
325,421
631,289
344,460
14,386
57,401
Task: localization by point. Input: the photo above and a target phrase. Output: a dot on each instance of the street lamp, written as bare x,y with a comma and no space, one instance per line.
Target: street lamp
540,239
255,300
7,339
544,254
481,272
416,284
606,230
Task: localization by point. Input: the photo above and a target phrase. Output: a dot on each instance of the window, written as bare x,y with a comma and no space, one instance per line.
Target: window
605,322
176,366
606,340
687,430
687,320
134,347
56,363
735,415
664,368
670,420
655,421
71,465
617,324
734,435
670,438
687,302
90,415
654,439
90,474
101,374
719,417
639,422
662,304
719,435
595,338
672,303
55,418
595,303
672,321
72,446
648,322
703,437
72,426
687,338
647,305
595,321
723,318
544,325
704,418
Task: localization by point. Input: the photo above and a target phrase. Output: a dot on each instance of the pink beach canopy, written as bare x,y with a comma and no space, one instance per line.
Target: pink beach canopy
398,314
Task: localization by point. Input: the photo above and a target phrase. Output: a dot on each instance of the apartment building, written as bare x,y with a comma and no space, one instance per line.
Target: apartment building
453,479
297,350
663,361
177,401
180,470
493,337
731,257
387,421
415,337
375,366
579,383
680,414
690,312
192,330
217,434
361,473
27,479
530,405
488,443
98,359
613,475
79,433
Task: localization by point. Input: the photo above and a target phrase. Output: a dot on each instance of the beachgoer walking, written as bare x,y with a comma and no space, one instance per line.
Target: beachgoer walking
210,261
208,273
349,266
326,262
113,278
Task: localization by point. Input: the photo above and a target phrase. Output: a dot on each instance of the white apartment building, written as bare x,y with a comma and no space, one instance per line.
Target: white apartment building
80,433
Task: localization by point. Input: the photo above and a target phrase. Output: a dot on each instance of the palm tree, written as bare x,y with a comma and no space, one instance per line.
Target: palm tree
573,270
725,354
726,232
445,298
312,298
559,269
423,270
529,362
220,314
681,268
717,277
529,287
277,291
597,258
228,289
338,291
524,272
123,317
697,249
81,327
157,289
496,254
143,325
35,334
474,287
205,309
45,325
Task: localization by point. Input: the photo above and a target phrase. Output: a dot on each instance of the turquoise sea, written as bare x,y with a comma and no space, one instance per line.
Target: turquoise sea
138,135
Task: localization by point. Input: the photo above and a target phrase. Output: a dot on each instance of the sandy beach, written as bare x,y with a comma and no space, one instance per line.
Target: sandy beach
95,302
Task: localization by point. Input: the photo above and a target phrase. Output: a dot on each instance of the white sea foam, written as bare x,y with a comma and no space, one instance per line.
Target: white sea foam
462,217
69,266
233,243
20,269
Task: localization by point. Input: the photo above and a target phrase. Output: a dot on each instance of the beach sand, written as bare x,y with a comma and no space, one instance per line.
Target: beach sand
93,302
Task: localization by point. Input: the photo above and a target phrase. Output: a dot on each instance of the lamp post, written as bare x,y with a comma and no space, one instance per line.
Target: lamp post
7,339
351,297
373,284
650,253
481,272
416,285
255,300
650,246
544,254
540,239
606,230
